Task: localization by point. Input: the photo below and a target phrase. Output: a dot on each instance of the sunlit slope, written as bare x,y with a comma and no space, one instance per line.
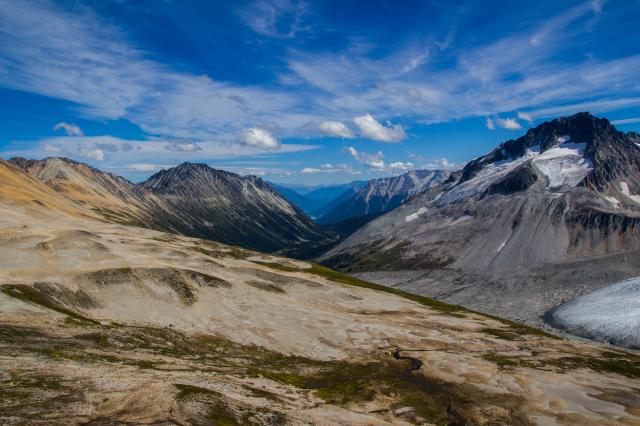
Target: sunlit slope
104,323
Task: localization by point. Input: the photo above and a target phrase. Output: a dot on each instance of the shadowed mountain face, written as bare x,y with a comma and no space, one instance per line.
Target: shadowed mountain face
225,207
382,195
190,199
538,220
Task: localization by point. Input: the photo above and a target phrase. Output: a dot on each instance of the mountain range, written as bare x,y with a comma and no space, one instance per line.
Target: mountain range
316,201
537,221
105,322
190,199
379,196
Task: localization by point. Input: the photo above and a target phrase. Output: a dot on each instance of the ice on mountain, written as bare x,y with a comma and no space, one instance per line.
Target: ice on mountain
564,165
610,314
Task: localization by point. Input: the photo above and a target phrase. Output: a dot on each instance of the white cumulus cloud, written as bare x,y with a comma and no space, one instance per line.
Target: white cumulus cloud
372,129
490,124
335,128
69,128
259,138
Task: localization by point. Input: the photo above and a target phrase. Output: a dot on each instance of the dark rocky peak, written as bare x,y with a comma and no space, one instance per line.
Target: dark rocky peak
596,133
188,175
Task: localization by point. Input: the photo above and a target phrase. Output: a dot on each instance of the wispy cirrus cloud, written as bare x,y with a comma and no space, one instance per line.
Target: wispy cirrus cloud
98,67
111,151
331,168
374,161
626,121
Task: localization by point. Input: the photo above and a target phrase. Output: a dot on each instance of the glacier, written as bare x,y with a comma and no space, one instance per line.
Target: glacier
610,314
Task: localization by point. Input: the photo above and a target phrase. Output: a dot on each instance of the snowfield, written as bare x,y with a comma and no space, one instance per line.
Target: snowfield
611,314
564,165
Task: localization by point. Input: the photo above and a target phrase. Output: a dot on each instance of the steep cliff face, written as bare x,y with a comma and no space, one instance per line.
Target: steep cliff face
538,220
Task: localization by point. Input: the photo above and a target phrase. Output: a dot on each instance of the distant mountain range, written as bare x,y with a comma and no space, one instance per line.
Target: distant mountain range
379,196
190,199
539,220
344,208
317,200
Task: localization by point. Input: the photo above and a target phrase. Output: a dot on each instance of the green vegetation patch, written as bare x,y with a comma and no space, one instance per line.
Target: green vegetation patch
502,334
341,278
31,295
33,397
217,410
622,364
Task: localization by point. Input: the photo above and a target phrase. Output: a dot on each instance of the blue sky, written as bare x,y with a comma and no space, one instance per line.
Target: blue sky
301,91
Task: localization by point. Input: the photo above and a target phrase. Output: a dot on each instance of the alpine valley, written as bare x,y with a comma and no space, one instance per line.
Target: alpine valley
122,303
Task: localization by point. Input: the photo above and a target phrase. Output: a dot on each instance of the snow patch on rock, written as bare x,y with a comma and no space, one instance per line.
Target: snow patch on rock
614,201
414,216
564,165
624,188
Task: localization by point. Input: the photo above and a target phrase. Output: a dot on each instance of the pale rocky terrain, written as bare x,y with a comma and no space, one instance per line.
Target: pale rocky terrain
102,323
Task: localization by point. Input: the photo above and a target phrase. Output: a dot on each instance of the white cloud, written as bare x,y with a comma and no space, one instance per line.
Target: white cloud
374,161
96,66
259,138
92,154
52,148
330,168
335,128
147,167
508,123
275,18
128,151
626,121
372,129
490,124
69,129
416,62
183,146
441,164
399,165
525,117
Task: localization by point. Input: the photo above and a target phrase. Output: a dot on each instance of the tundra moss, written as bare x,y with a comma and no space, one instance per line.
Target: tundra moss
31,295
